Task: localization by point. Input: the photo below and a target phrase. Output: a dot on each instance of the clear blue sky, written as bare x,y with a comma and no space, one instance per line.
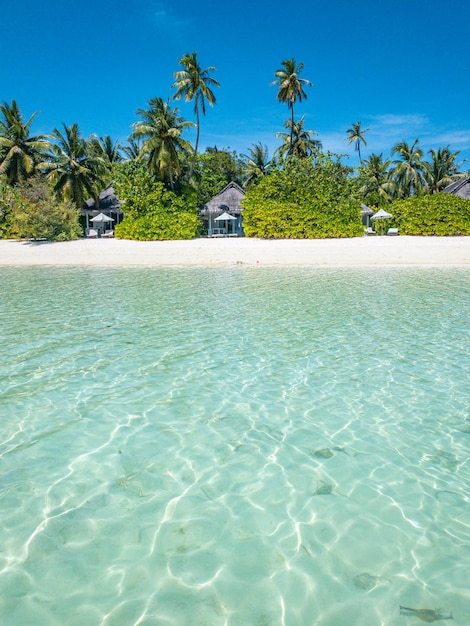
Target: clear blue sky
401,67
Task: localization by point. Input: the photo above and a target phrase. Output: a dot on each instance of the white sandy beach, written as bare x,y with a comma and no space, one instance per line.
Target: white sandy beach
356,252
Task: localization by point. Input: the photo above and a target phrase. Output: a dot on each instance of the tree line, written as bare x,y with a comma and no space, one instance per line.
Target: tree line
71,168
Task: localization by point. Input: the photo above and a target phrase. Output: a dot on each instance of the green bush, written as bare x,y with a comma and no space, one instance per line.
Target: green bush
31,211
437,214
303,199
152,211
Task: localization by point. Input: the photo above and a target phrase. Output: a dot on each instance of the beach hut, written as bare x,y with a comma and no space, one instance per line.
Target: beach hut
228,201
108,204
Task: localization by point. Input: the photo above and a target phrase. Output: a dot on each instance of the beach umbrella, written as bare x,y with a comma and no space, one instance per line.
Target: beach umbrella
381,215
225,217
101,218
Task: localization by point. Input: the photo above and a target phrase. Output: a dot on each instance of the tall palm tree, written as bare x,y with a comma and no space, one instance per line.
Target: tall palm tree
161,128
356,135
298,141
194,83
19,152
256,164
442,170
291,86
73,169
409,170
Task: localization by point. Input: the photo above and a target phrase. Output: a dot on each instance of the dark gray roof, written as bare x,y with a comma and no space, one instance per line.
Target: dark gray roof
108,202
228,200
459,188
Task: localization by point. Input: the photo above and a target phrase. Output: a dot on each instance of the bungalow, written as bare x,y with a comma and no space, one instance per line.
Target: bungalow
108,204
223,214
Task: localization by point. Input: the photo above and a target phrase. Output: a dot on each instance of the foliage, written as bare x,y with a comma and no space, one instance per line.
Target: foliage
213,171
436,214
255,165
162,128
374,181
74,171
303,198
291,88
298,141
356,135
20,153
194,83
152,211
30,210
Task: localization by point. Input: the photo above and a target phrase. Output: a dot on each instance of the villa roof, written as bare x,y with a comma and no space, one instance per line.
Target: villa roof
108,202
228,200
459,188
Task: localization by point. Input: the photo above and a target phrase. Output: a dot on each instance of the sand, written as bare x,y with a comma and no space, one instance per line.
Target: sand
356,252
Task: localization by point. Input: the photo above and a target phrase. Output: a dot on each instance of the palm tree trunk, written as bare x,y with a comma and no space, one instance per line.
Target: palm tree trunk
193,160
292,131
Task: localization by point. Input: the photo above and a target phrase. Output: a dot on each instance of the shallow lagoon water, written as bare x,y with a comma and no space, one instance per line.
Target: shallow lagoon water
236,446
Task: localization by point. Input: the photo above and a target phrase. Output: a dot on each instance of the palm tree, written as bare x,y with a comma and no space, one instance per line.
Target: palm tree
291,87
106,148
19,152
256,164
442,170
194,83
133,149
409,170
356,135
298,141
73,169
161,128
374,179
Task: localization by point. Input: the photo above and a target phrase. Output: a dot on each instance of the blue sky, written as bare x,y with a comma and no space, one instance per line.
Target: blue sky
401,67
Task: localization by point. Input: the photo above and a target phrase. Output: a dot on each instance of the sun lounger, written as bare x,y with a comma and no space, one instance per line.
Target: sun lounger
392,231
108,234
92,233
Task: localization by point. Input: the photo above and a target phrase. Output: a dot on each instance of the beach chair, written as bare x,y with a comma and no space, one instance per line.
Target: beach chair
92,233
392,231
368,231
107,234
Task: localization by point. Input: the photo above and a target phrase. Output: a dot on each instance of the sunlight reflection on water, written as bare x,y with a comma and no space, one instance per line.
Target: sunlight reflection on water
233,446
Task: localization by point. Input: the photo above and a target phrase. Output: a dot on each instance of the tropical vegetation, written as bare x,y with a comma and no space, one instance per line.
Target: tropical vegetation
298,191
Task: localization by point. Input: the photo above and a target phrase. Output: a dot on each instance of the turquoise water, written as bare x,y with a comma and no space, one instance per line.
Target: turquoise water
237,446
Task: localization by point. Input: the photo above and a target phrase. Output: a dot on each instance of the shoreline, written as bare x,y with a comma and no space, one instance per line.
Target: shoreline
365,252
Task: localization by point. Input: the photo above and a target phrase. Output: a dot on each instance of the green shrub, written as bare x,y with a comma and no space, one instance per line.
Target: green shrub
152,211
436,214
31,211
303,199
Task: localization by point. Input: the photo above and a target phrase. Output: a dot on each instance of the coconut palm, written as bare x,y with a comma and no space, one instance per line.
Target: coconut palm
195,84
106,148
356,136
73,170
442,170
409,170
133,149
298,141
256,164
291,87
20,153
161,128
374,179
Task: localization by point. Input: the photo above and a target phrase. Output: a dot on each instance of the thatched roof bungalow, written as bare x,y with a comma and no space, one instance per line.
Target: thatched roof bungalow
108,204
459,188
228,201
